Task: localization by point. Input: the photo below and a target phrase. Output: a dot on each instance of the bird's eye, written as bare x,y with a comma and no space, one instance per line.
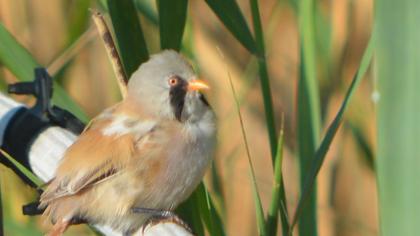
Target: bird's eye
173,81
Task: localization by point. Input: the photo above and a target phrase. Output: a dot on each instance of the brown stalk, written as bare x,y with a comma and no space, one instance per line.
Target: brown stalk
111,50
60,61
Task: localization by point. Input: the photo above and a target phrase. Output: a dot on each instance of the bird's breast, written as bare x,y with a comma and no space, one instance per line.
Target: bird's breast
187,158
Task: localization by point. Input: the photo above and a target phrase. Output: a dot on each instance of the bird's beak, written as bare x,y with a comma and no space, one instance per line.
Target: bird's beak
196,85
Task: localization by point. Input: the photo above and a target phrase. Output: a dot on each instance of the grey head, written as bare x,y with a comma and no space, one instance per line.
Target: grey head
167,87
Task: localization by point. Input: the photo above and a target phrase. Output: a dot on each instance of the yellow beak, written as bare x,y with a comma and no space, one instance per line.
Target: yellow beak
196,85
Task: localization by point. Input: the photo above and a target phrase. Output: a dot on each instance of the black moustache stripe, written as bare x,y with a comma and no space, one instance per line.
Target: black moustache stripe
177,98
204,100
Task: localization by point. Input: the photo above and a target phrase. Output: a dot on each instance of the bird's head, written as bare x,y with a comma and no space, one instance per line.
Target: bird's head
166,86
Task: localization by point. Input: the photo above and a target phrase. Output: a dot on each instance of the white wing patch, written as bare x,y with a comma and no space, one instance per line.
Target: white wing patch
123,124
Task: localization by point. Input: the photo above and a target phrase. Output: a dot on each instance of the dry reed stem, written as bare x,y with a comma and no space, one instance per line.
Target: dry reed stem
59,62
111,50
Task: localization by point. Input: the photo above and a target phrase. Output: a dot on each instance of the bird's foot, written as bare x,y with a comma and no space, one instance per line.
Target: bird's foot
160,216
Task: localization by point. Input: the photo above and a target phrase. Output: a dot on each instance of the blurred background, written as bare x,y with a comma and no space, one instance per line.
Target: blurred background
61,36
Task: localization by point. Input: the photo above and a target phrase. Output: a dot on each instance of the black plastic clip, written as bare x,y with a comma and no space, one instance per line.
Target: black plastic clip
42,89
27,123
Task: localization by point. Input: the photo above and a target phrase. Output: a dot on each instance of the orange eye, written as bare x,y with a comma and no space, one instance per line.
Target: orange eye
173,81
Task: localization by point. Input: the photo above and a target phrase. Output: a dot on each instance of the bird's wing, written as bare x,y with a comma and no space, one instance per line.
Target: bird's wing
99,153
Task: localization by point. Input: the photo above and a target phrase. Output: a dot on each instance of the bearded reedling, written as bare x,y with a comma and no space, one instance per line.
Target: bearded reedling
140,158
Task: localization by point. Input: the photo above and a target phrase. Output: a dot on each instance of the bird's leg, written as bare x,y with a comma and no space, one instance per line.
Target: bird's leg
158,216
153,212
59,228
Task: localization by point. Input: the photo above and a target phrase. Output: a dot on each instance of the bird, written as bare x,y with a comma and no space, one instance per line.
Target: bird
139,158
